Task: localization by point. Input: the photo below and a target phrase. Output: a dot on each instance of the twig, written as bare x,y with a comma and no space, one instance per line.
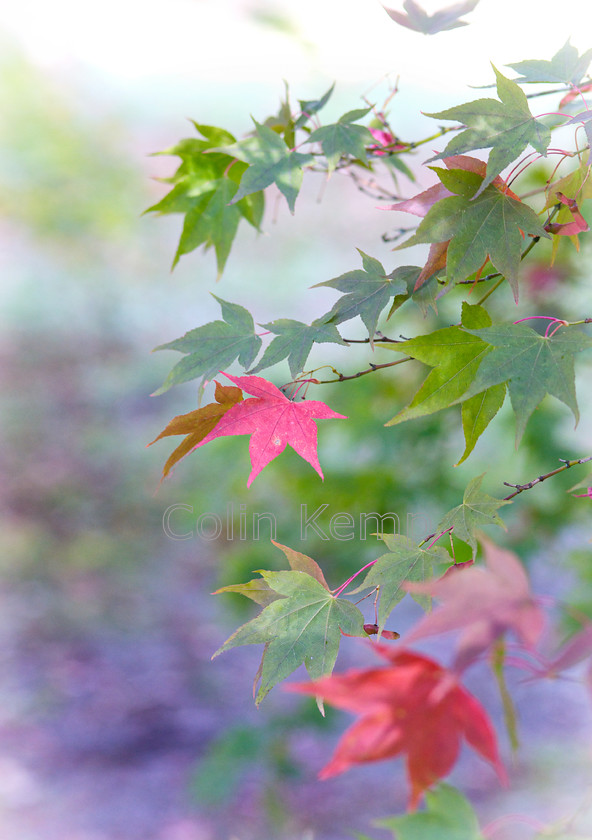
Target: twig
343,378
520,488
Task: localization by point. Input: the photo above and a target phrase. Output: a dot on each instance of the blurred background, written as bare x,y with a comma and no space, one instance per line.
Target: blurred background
114,724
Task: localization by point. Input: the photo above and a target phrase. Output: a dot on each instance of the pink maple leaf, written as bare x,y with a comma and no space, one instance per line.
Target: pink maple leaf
482,602
273,421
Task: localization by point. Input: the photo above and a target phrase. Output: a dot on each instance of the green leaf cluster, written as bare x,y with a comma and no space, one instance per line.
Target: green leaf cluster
205,188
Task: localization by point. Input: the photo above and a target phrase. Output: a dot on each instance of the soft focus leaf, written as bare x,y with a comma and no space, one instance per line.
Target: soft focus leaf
273,421
566,66
448,816
214,346
484,603
416,18
414,708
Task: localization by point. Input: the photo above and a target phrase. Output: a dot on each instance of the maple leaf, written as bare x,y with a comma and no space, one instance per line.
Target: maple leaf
477,225
506,126
477,509
413,707
455,358
566,66
294,340
448,816
484,603
367,292
442,20
532,365
270,161
204,184
197,424
343,138
213,346
404,561
302,622
273,421
477,413
310,107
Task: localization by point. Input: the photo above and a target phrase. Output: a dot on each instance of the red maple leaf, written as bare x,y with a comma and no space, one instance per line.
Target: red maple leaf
483,602
414,707
273,421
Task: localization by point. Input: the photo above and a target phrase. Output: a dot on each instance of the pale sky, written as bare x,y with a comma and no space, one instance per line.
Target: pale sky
347,40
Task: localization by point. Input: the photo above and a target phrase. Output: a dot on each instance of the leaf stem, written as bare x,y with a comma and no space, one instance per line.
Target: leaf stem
337,592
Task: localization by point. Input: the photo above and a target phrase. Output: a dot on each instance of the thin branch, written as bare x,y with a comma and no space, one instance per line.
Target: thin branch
520,488
343,378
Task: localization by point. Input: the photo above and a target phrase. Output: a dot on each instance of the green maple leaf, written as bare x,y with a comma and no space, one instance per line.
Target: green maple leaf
455,357
566,66
270,161
531,365
303,625
405,561
477,509
506,126
477,413
294,340
214,346
204,184
368,291
448,816
310,107
478,225
344,138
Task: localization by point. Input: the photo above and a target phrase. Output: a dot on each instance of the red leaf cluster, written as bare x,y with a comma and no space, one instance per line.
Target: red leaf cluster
413,707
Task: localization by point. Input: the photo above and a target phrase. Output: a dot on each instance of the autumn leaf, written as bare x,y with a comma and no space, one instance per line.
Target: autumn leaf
197,424
413,707
532,365
404,561
273,421
505,126
302,622
294,340
477,510
484,603
213,346
442,20
566,66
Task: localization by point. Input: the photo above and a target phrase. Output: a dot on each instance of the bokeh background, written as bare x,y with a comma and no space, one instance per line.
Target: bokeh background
114,724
